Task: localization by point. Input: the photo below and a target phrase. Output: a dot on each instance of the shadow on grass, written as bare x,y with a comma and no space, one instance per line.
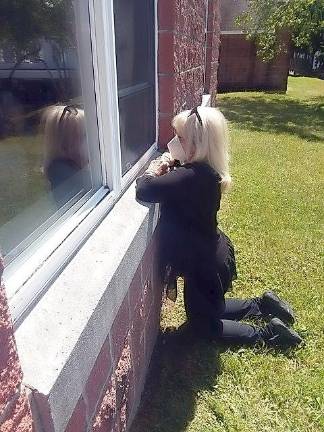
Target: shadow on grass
181,367
273,113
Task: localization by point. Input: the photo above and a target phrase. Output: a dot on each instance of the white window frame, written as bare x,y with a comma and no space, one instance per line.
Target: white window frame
29,276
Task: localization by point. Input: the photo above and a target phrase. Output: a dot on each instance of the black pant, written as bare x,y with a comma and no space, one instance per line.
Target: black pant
213,315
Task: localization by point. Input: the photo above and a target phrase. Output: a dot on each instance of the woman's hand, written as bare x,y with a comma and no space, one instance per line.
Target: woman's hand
163,169
160,165
166,157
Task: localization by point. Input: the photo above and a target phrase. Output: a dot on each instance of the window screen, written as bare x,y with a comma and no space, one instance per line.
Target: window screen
135,50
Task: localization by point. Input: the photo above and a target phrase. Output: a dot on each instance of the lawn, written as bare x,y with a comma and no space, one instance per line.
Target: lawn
274,215
21,178
24,200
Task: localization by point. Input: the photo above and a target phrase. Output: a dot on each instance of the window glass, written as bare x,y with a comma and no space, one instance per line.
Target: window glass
135,51
137,127
49,151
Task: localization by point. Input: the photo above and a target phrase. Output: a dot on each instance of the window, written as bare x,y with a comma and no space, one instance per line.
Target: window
136,77
47,103
77,112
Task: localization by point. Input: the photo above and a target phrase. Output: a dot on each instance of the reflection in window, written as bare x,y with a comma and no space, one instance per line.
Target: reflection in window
48,137
66,160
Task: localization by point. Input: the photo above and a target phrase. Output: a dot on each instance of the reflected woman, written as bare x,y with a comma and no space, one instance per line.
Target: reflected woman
66,156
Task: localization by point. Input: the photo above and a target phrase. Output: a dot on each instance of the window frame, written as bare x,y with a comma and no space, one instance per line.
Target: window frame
29,276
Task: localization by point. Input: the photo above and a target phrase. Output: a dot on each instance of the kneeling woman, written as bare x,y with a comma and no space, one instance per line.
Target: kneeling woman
192,245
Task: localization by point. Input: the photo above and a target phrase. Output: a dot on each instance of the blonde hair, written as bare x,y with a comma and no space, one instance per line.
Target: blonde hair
64,132
209,141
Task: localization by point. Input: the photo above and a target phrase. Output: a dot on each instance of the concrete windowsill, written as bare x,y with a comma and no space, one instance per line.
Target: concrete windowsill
61,338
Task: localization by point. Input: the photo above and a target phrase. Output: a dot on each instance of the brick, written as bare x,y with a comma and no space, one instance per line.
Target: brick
166,89
188,51
150,335
147,299
166,52
124,391
157,280
209,39
119,330
147,279
140,371
191,20
156,267
188,83
78,420
165,130
133,401
147,260
137,327
19,417
208,71
138,355
166,14
135,292
213,44
211,15
10,375
97,378
122,374
240,68
10,371
157,301
151,304
40,405
105,419
188,55
140,305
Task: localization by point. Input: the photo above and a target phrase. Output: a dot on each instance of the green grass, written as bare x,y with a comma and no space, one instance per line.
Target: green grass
274,216
24,199
22,181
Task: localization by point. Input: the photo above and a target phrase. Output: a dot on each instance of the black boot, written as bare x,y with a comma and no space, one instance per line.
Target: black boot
272,305
276,333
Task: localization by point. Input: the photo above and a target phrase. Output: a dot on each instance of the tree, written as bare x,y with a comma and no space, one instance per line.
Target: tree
24,23
266,20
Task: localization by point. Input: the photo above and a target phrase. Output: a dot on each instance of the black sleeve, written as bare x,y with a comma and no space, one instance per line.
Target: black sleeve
168,187
59,172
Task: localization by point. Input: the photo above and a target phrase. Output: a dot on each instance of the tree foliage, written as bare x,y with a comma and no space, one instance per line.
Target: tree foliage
23,23
266,20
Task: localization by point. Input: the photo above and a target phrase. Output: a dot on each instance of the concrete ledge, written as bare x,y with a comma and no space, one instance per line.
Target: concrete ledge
69,325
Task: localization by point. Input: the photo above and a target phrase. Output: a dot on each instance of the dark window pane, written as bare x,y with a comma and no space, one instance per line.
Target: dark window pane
134,29
135,51
137,128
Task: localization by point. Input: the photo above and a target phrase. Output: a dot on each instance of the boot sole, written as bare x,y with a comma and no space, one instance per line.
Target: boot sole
292,338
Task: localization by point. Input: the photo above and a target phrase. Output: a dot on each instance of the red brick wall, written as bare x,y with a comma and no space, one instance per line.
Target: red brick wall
15,413
112,393
212,46
113,390
182,57
240,68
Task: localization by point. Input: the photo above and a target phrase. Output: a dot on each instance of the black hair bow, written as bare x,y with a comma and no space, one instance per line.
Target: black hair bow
195,111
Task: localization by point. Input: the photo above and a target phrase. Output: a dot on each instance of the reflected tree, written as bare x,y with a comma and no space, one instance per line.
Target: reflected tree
266,20
24,25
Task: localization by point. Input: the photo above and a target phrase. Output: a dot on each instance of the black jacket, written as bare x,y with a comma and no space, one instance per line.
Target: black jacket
189,238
